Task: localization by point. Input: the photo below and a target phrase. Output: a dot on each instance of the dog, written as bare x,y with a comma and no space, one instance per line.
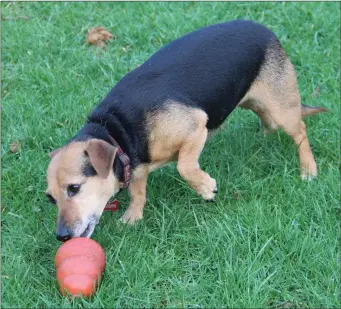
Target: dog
163,110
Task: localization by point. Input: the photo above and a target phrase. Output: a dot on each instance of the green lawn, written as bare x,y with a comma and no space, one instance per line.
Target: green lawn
271,240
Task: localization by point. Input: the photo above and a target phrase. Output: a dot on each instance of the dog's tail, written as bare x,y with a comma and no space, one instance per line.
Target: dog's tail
311,110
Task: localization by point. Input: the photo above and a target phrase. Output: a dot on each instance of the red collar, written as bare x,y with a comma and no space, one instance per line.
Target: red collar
112,206
125,161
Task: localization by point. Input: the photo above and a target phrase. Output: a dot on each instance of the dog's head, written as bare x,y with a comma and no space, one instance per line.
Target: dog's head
80,181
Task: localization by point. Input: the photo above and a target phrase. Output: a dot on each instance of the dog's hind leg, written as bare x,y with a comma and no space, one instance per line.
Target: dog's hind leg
275,93
268,123
290,121
292,124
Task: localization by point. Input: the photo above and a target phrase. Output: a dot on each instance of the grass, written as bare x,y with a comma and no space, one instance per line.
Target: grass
271,240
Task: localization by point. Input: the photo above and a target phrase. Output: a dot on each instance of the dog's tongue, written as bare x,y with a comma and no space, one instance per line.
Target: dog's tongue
112,206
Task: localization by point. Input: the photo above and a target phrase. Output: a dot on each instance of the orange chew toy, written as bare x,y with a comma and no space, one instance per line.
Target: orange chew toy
77,285
80,263
81,246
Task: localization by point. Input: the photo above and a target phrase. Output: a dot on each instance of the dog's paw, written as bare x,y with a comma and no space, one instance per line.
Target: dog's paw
131,216
309,172
208,188
307,176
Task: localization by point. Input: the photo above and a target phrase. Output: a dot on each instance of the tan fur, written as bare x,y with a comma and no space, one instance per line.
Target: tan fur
176,133
275,98
66,168
188,159
168,130
101,155
180,131
137,190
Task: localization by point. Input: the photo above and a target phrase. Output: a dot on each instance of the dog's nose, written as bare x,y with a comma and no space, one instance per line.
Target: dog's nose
63,238
63,233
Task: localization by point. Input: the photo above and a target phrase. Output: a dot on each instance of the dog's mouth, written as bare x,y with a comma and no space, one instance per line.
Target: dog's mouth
90,227
88,231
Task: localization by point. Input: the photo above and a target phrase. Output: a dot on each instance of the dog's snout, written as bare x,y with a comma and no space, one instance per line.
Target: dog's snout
63,232
63,238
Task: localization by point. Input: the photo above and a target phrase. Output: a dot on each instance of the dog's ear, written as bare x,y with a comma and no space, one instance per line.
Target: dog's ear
54,152
101,155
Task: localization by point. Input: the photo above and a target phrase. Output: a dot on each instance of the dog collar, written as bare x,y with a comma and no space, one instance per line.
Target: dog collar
123,157
112,206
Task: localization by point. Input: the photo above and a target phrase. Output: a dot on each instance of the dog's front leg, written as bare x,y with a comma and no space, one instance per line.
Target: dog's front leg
137,190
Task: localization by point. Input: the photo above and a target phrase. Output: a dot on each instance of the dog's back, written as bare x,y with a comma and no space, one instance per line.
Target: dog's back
211,68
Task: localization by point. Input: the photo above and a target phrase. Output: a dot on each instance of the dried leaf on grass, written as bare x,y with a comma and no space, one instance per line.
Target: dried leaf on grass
15,147
235,195
98,36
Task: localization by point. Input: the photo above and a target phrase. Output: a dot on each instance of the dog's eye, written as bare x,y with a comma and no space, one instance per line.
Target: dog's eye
50,198
73,190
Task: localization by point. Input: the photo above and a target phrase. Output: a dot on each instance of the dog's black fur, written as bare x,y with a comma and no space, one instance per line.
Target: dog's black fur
211,69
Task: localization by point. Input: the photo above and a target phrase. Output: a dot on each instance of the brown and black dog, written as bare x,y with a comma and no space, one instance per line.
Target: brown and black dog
163,111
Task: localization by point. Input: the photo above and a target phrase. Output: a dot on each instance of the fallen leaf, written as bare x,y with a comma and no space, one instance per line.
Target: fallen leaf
235,195
100,44
15,147
97,36
163,303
